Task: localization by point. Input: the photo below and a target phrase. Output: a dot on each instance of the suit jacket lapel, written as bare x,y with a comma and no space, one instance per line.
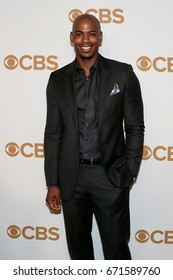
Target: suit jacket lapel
105,87
70,90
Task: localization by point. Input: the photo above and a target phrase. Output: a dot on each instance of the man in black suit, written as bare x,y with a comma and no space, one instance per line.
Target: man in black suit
93,144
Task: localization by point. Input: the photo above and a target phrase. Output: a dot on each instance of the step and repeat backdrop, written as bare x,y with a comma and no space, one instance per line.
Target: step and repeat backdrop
34,42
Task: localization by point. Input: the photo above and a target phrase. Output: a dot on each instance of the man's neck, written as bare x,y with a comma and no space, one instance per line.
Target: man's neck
86,64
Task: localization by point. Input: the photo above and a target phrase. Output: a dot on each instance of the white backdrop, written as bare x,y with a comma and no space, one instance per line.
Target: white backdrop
35,41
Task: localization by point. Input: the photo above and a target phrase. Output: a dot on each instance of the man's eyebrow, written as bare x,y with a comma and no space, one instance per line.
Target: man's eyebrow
84,31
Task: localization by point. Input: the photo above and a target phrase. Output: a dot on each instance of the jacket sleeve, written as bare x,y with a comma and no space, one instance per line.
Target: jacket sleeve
133,122
52,136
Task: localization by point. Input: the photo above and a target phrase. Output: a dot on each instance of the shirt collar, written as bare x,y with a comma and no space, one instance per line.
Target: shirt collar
95,66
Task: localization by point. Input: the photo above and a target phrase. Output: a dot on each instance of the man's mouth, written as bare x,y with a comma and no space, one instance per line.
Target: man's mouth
86,48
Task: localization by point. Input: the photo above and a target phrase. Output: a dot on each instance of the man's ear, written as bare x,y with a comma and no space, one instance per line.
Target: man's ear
71,39
101,38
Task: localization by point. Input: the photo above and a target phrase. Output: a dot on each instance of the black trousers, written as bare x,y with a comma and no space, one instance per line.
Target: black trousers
95,194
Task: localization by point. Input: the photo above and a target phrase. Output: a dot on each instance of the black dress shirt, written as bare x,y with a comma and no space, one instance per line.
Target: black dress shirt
87,89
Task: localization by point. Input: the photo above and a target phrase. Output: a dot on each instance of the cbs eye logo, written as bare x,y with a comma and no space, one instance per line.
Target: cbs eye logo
142,236
147,153
13,232
11,62
104,15
30,232
144,63
27,62
159,64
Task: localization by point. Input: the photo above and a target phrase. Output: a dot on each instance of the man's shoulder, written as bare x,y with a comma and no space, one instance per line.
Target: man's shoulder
62,70
115,63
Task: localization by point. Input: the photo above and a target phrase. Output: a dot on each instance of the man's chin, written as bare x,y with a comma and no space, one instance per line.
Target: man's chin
86,56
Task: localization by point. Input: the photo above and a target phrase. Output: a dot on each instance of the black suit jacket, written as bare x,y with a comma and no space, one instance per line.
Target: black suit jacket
121,126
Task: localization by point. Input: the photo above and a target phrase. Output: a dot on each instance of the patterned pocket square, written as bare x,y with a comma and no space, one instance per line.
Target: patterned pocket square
115,89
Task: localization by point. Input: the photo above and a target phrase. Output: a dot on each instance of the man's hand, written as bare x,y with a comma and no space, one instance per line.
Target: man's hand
53,198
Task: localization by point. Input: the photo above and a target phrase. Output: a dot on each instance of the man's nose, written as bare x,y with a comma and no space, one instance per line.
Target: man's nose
85,37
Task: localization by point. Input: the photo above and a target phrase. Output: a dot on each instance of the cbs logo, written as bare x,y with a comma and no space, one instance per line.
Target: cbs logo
157,236
104,15
29,232
27,62
159,153
27,150
160,64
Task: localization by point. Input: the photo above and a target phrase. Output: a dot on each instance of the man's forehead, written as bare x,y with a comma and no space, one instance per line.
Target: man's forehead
85,28
85,22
